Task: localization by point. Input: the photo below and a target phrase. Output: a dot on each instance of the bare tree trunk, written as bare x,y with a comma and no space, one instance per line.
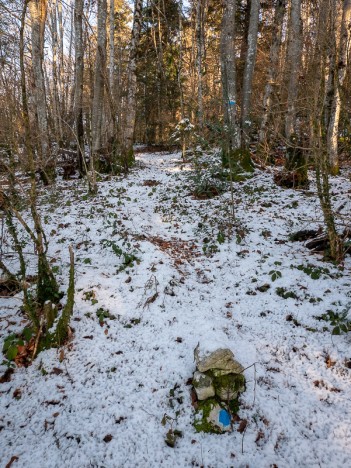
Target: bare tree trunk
180,61
294,63
229,75
240,62
320,155
47,287
273,67
130,114
99,79
61,62
55,73
78,83
38,13
337,83
200,40
249,68
69,71
112,44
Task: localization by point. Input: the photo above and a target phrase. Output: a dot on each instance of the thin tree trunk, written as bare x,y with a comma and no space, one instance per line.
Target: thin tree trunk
56,80
249,69
240,65
294,63
69,72
38,13
78,84
99,79
338,80
200,40
180,61
112,45
47,287
228,67
320,155
273,67
130,115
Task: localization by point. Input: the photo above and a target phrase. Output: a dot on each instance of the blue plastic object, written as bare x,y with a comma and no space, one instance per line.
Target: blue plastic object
224,418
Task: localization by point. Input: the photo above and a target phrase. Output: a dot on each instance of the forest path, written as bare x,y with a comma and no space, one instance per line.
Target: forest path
156,273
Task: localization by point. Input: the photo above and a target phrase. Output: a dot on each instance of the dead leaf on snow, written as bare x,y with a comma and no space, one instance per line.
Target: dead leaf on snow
6,377
242,426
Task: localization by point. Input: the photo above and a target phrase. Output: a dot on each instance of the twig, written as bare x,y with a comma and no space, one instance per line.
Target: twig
37,339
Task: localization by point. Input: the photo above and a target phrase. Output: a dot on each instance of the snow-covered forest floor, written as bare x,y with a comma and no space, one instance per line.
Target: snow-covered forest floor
157,272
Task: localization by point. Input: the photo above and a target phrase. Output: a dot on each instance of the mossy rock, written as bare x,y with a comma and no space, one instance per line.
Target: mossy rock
228,386
203,385
220,362
212,417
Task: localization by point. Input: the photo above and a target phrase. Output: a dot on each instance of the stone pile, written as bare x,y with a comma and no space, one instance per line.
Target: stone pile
217,382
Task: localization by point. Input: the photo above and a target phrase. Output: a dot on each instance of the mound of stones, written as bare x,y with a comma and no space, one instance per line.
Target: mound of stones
217,381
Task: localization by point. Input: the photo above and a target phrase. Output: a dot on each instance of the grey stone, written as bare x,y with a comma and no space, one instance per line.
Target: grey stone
221,361
203,385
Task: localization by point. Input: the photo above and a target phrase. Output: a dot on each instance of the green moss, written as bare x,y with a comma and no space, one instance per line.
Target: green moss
50,311
296,163
47,287
234,406
63,323
334,170
59,335
127,158
227,383
239,162
201,423
233,381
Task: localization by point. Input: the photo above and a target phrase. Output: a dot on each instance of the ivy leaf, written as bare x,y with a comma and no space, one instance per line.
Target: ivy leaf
8,342
344,328
220,238
315,275
27,333
12,352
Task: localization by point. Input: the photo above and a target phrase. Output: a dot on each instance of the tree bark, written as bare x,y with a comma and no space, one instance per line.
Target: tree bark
228,67
294,63
200,40
38,13
78,83
319,152
273,66
337,83
130,114
112,45
99,79
249,69
55,72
